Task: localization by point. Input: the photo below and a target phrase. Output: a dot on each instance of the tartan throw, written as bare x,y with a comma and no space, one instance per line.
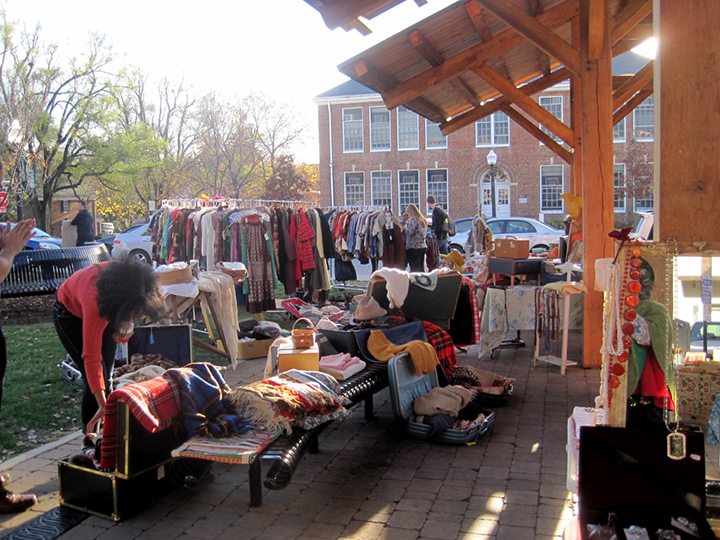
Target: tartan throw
155,403
443,344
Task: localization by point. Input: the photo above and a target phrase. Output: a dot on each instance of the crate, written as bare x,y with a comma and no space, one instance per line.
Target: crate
253,349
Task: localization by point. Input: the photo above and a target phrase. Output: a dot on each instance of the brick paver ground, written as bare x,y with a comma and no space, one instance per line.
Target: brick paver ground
370,480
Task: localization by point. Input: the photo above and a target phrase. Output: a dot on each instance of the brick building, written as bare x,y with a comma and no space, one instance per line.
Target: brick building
394,158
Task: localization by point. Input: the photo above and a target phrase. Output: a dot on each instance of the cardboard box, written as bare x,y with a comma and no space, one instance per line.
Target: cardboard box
254,349
305,359
507,248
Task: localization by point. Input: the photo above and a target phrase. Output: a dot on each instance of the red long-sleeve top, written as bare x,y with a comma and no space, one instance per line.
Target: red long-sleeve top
79,296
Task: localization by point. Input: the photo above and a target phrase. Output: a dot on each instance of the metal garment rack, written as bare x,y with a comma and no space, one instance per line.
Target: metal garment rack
232,203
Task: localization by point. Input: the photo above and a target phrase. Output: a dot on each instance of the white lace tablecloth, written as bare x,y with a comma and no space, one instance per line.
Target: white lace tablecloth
513,308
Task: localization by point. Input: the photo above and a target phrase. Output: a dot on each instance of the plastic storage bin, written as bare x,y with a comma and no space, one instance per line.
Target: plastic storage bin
405,386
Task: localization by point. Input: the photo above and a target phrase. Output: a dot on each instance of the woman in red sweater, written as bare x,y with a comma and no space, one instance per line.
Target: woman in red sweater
93,311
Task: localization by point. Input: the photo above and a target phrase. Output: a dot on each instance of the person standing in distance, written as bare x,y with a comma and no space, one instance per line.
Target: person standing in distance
84,223
415,246
12,240
438,218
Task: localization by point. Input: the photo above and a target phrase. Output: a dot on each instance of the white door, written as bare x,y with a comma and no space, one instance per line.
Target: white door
502,199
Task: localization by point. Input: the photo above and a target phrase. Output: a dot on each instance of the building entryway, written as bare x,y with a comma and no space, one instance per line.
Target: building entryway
502,194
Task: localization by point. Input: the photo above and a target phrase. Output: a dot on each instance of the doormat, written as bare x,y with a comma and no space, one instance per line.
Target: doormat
49,525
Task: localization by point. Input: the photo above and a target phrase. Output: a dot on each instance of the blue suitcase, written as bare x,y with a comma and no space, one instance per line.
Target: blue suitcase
406,385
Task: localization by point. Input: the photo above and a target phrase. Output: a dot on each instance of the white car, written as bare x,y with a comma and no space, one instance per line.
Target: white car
462,226
540,235
135,243
713,336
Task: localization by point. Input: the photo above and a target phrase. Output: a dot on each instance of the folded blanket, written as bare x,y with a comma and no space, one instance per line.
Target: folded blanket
442,400
340,361
423,354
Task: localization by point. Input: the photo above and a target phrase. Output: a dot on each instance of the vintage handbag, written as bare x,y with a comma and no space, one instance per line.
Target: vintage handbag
303,338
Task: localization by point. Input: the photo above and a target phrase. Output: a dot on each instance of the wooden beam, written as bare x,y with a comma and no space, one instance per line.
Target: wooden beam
597,185
492,107
597,30
640,34
687,85
535,32
526,103
434,58
342,13
629,17
539,134
424,108
456,65
477,18
633,85
631,105
576,171
364,71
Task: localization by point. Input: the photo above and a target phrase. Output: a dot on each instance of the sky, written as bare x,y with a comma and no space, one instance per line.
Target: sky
281,48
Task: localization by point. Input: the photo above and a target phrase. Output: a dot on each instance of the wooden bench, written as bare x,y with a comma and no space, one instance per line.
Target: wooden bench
42,271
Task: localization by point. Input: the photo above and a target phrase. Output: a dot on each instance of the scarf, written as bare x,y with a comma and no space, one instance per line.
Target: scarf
423,354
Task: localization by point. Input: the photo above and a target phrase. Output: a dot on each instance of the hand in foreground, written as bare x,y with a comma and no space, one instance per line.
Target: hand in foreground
94,422
13,239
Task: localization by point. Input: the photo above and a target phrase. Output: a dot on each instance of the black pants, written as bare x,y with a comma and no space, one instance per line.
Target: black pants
69,329
416,259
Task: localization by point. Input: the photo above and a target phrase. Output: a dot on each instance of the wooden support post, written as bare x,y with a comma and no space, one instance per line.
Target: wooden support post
597,162
687,83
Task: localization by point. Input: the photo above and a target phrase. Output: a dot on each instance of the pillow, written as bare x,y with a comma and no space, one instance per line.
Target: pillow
293,398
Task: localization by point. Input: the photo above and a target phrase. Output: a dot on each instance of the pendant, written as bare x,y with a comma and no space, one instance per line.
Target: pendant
676,445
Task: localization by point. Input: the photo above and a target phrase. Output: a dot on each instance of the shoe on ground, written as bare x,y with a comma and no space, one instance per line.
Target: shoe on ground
10,503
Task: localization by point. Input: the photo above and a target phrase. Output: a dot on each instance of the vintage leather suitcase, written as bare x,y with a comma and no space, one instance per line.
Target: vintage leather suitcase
406,385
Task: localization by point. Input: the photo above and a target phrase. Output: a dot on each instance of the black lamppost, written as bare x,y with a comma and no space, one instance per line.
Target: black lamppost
15,138
492,160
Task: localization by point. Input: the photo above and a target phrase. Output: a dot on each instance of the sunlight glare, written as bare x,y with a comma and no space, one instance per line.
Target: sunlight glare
647,48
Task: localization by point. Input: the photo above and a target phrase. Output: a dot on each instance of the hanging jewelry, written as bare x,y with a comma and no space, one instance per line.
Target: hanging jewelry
676,441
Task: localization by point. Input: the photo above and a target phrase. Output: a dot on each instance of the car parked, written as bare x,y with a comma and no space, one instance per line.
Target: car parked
135,243
41,240
462,226
713,336
540,235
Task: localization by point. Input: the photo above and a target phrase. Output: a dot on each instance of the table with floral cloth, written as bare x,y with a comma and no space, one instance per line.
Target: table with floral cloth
513,308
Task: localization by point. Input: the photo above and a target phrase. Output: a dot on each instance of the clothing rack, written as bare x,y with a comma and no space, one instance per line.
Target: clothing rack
232,203
358,208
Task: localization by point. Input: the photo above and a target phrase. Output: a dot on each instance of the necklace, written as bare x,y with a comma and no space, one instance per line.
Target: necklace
676,441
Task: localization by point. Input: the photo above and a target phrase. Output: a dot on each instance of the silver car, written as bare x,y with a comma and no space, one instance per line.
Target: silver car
540,235
135,243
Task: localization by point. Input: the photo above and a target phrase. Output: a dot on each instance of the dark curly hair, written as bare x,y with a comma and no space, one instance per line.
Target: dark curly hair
128,289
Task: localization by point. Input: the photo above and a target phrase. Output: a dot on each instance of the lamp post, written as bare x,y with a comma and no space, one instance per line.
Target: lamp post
15,138
492,160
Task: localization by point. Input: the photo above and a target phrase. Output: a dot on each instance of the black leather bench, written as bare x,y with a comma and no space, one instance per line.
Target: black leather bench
42,271
287,451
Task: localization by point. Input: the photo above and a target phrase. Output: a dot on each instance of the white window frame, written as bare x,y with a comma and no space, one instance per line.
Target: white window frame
494,124
643,208
440,200
354,174
554,209
617,138
65,207
644,106
404,110
375,175
401,203
620,182
344,130
551,101
429,124
374,127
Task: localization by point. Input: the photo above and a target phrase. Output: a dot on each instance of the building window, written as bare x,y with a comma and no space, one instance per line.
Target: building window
437,185
433,136
619,131
379,128
65,207
553,105
493,130
644,120
381,187
620,185
409,188
355,189
408,129
644,204
551,187
352,130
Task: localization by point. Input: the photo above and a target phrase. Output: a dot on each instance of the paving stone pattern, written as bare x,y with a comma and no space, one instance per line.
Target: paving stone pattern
370,480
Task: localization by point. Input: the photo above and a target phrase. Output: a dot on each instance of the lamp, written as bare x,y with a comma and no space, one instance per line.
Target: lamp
14,136
492,160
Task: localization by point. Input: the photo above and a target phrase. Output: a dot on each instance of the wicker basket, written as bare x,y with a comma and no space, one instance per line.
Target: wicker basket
235,274
303,338
173,277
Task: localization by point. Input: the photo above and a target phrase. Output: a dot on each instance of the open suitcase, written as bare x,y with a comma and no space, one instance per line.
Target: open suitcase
406,385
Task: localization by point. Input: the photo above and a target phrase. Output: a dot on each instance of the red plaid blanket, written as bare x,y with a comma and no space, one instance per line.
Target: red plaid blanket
155,403
443,344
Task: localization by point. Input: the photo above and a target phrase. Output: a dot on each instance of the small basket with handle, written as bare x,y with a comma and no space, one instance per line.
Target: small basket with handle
303,338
